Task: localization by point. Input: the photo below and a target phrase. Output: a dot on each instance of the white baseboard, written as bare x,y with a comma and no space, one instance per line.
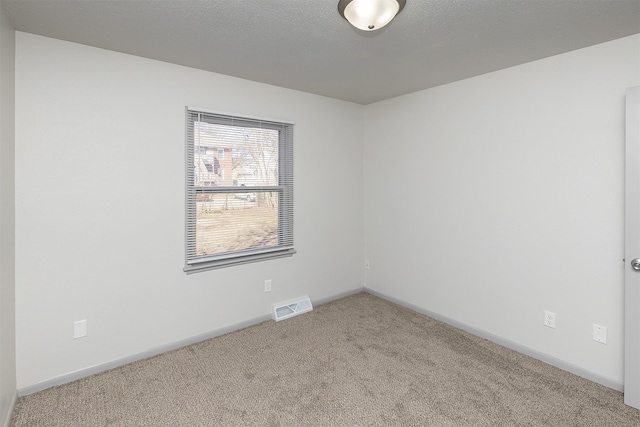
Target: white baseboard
9,414
551,360
320,301
81,373
85,372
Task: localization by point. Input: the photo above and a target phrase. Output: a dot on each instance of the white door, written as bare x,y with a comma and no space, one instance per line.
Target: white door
632,251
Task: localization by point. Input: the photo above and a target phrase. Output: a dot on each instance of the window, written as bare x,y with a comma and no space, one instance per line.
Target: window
240,209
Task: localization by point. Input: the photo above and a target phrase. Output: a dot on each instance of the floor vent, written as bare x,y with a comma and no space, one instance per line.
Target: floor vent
293,308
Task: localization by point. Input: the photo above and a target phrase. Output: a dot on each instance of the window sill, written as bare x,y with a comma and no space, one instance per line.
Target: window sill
228,262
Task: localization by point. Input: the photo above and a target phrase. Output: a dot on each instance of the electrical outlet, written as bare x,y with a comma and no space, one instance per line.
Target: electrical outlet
549,319
267,285
600,333
366,264
80,329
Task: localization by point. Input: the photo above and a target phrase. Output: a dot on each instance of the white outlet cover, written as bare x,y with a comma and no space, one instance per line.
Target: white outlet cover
600,333
549,319
80,329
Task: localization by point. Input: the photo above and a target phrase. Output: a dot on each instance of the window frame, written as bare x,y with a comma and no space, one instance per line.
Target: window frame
284,189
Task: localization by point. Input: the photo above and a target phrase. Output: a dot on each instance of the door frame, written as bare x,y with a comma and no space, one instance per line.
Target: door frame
632,250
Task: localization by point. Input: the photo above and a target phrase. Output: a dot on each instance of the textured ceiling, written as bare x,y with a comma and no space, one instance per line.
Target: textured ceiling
306,45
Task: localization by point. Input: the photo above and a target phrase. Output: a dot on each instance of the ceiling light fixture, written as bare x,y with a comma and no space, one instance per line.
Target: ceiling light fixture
370,15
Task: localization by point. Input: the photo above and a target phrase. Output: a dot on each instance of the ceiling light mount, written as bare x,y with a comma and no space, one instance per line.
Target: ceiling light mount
370,15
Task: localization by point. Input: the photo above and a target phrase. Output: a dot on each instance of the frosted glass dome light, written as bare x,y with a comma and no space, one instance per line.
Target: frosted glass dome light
370,15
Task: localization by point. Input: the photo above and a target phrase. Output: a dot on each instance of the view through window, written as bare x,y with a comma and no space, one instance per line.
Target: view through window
239,190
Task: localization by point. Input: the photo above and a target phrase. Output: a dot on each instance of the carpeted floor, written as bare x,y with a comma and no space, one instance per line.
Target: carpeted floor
352,362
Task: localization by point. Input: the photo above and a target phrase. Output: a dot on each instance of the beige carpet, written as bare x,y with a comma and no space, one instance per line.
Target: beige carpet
353,362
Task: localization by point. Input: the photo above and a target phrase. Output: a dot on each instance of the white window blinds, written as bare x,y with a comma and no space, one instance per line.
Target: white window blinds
239,190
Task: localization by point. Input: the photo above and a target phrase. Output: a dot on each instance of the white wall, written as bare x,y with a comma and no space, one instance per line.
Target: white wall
490,200
7,219
487,201
100,206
